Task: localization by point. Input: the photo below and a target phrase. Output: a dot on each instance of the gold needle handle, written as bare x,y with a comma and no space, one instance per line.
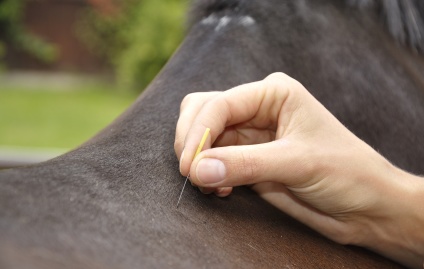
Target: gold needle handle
199,149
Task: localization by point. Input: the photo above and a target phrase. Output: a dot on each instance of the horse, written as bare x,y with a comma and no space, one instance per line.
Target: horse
111,202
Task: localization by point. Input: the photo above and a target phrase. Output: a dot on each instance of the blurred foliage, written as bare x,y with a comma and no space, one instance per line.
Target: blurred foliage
12,28
137,39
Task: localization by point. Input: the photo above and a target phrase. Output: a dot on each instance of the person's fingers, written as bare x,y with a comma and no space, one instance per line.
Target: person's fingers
259,103
190,106
279,196
281,161
220,192
188,153
243,134
223,192
206,190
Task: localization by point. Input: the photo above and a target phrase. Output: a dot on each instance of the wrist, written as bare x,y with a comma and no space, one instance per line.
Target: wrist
396,230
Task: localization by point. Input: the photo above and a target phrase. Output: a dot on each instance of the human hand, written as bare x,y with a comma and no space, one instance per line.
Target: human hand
274,135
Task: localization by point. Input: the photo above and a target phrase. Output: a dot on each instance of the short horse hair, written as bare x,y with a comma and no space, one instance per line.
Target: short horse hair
404,19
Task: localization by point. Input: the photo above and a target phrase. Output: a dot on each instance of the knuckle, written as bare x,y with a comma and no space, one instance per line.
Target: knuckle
178,144
296,85
281,81
277,81
187,99
248,168
277,76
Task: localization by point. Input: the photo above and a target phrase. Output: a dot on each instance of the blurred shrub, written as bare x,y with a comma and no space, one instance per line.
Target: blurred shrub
137,38
12,29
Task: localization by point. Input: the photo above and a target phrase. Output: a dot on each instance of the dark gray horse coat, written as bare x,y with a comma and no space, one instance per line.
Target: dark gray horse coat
111,202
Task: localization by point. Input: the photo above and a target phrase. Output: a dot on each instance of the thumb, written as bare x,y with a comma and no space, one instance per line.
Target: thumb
276,161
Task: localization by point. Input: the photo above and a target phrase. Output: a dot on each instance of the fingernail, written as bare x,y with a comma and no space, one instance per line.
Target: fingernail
181,159
210,171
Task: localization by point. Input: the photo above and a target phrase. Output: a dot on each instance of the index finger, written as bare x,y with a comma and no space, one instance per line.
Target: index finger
190,106
257,101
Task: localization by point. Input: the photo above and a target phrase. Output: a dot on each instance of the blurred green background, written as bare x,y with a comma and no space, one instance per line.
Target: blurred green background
69,67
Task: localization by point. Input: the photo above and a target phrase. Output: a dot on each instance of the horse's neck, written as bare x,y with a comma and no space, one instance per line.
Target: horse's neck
112,201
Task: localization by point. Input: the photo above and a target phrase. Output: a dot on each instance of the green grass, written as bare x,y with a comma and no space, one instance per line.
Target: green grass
57,119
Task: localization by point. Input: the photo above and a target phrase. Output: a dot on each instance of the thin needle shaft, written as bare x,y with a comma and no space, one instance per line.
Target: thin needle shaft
181,194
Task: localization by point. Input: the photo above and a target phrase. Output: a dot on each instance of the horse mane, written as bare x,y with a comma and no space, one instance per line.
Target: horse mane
404,19
203,8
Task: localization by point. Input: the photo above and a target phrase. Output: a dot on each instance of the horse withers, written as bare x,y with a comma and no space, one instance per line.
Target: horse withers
111,202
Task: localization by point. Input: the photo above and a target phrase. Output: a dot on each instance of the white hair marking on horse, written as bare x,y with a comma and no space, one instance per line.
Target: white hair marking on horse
211,19
225,20
247,21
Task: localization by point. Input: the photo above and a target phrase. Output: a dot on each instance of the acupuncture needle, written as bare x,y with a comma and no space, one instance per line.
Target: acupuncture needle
199,149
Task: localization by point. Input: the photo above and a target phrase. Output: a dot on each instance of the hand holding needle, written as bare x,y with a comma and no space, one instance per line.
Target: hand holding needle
199,149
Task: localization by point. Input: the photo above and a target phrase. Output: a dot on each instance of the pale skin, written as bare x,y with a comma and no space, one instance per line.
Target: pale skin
276,137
